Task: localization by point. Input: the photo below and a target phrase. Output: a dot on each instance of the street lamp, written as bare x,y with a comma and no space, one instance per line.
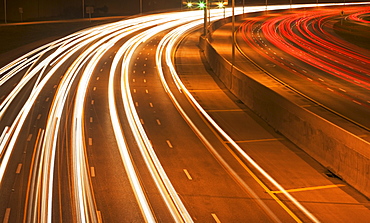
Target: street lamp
221,5
203,5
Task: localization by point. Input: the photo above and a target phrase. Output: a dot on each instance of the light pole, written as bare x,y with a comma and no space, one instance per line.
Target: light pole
233,35
5,11
205,18
221,5
266,5
83,9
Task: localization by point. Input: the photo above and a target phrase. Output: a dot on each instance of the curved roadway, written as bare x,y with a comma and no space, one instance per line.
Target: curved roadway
301,49
97,127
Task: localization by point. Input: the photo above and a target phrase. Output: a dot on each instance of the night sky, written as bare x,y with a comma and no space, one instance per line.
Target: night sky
67,9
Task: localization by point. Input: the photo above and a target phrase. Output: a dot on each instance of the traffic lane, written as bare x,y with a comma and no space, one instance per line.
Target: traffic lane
114,197
14,188
339,94
316,84
324,195
182,154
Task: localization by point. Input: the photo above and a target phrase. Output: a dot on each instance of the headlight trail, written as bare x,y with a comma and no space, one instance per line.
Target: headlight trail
78,55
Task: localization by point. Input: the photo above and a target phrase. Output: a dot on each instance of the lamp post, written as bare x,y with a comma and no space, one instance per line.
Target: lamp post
5,11
205,17
221,5
266,5
83,9
233,35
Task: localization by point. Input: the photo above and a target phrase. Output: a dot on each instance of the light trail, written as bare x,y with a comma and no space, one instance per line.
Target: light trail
326,57
78,55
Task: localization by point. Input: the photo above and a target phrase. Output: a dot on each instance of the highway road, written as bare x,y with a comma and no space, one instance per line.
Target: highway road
98,127
302,49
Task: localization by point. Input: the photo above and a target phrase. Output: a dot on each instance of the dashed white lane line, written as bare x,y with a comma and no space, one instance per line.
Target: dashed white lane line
158,122
187,174
19,168
217,220
92,171
6,215
169,144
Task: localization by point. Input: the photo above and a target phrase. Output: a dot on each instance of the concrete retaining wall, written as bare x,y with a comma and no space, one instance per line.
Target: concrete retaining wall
343,153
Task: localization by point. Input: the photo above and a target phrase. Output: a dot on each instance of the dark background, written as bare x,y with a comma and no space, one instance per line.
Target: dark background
34,10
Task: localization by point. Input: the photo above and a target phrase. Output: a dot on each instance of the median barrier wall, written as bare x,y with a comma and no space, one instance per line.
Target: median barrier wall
340,151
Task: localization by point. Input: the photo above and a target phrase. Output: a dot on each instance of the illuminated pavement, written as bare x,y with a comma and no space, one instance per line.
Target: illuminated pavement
97,127
301,49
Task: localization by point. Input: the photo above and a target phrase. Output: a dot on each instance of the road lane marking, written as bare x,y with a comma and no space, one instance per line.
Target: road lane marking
250,172
144,71
6,216
134,90
357,102
137,104
101,70
90,141
341,89
100,219
94,88
144,80
310,188
29,137
19,168
217,220
97,78
187,174
92,102
260,140
91,119
151,104
47,99
92,171
147,91
39,116
55,86
142,121
207,90
227,110
169,144
133,80
158,122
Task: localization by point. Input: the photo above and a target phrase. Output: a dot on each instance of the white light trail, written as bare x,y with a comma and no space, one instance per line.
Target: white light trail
80,53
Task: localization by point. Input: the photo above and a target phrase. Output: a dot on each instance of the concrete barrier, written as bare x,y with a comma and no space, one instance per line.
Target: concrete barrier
342,152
